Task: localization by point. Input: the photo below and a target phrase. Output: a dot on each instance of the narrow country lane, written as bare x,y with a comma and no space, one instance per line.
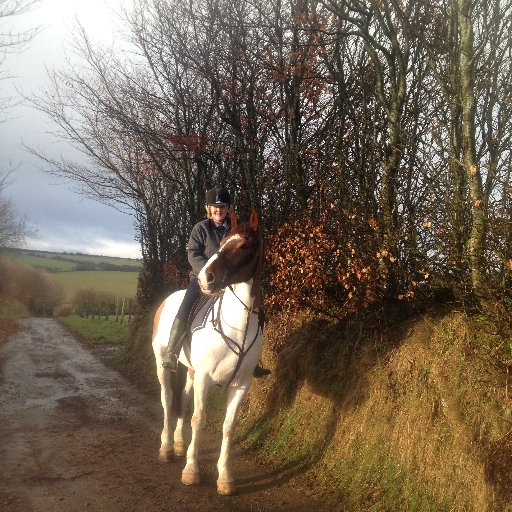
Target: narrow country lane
75,436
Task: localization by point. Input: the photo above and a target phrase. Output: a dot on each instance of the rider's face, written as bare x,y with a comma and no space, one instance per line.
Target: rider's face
218,212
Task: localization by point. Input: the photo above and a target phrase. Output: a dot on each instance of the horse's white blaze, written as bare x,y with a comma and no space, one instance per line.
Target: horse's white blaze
201,277
213,362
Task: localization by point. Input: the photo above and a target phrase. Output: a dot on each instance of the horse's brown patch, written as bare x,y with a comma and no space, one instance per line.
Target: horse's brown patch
156,320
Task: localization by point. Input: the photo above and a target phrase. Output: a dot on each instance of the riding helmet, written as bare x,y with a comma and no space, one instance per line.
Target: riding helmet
218,196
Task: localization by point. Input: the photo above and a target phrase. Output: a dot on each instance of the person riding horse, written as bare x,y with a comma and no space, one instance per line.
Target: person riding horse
203,243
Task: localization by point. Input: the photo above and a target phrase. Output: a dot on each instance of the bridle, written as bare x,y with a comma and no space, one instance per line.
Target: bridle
223,284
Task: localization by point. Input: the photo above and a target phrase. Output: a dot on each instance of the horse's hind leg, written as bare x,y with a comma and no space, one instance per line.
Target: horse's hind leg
226,482
166,449
190,474
179,439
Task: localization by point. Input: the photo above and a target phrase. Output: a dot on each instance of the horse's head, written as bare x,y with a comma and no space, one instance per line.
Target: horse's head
237,259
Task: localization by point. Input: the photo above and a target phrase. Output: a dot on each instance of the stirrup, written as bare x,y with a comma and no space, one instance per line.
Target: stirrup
170,362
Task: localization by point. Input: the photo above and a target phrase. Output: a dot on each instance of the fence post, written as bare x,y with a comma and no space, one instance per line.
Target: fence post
122,310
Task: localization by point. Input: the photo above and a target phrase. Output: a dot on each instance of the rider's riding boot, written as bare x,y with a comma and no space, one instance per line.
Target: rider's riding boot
259,371
178,331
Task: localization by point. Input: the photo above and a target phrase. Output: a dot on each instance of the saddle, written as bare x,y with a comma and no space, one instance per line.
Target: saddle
197,319
199,312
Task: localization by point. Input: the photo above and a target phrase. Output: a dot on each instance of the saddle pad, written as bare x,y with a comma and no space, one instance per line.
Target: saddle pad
197,317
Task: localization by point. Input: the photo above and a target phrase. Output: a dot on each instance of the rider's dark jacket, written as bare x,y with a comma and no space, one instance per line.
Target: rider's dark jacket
204,242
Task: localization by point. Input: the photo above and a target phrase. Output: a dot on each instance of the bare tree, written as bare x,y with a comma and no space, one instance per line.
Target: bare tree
12,41
469,55
392,117
15,41
13,226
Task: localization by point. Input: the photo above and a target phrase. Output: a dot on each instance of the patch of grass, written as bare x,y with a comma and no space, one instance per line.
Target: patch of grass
98,330
119,284
372,481
62,261
41,261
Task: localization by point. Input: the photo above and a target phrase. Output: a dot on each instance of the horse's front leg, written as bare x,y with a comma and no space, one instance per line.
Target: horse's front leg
226,482
179,438
190,474
166,449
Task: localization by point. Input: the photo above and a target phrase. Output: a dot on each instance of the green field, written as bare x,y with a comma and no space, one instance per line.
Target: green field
112,276
41,261
119,284
62,262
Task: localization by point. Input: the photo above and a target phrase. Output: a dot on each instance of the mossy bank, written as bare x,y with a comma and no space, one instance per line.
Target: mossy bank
413,415
382,414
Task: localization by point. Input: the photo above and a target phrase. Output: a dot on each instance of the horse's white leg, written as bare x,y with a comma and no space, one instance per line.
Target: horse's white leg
190,474
166,449
225,482
179,440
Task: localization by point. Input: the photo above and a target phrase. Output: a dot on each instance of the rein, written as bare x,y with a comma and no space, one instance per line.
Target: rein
240,350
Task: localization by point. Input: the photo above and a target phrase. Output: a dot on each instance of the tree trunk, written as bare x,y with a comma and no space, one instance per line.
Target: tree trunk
467,95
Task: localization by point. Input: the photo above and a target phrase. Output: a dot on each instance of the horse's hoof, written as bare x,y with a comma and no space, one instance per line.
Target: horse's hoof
226,488
190,478
180,449
165,456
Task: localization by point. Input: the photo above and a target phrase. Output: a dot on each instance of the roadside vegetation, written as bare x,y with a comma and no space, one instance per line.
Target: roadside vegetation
37,291
59,287
399,411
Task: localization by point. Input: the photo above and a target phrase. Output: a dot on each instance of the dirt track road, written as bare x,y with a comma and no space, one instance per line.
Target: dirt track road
75,436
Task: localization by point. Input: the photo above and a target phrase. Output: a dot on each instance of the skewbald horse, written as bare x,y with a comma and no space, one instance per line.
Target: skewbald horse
224,349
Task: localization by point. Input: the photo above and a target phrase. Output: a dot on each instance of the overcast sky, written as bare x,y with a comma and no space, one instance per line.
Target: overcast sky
65,221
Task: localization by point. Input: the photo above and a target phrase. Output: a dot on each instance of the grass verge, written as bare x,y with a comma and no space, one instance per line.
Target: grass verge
98,331
10,311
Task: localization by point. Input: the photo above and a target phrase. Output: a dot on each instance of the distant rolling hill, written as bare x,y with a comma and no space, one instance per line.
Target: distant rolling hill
104,274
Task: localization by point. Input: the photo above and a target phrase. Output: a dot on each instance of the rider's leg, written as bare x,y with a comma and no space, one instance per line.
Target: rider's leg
179,326
170,358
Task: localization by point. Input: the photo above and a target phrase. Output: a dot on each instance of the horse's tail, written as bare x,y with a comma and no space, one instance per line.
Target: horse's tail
178,381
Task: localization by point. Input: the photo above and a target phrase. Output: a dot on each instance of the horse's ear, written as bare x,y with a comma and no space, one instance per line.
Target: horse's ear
234,220
254,221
